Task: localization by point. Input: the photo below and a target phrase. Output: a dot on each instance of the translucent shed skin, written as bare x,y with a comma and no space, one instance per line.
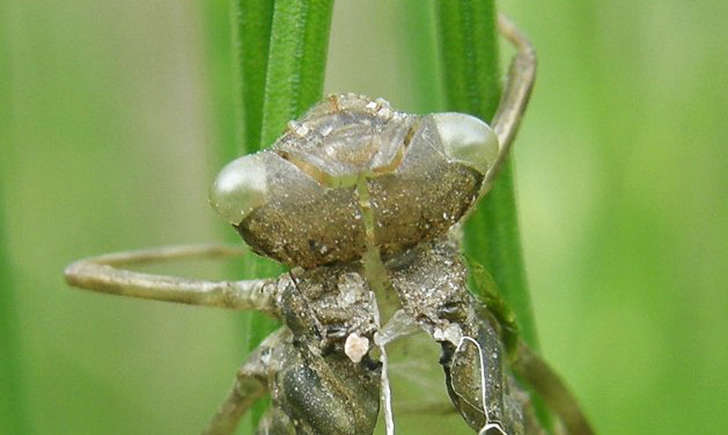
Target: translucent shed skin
349,181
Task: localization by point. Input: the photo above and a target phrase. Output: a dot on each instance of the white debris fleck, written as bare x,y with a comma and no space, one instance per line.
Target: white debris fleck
452,333
438,334
356,347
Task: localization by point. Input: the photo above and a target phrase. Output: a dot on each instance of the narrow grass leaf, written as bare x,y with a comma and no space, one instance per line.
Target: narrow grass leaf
469,55
281,48
471,70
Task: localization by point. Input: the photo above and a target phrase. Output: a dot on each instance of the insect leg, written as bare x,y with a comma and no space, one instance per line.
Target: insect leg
251,383
528,364
517,91
534,370
104,274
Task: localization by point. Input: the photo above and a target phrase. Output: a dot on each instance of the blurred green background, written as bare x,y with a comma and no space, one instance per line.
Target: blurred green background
110,115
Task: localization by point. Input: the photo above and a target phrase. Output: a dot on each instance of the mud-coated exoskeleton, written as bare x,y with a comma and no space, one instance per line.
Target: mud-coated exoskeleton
362,202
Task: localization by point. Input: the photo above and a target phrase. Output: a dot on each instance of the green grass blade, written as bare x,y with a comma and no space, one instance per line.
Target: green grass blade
251,39
469,54
296,64
294,81
252,22
492,238
472,85
281,52
251,30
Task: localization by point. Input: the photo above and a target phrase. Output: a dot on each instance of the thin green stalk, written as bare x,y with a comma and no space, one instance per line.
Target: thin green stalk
469,50
469,54
296,62
251,28
251,38
281,48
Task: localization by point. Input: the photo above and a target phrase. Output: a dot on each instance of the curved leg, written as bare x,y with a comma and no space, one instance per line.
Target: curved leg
517,91
251,383
313,393
103,274
529,366
525,362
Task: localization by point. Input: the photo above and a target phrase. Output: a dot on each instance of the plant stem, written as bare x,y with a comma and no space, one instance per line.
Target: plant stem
469,54
251,27
296,62
281,52
472,85
251,38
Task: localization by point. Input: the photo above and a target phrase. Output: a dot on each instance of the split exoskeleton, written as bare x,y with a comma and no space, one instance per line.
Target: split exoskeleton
360,201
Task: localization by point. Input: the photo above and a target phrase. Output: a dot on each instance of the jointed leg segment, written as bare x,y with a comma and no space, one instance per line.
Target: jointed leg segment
517,92
251,383
103,274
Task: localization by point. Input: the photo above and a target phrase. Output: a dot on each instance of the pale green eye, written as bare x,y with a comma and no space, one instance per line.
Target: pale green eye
239,188
468,140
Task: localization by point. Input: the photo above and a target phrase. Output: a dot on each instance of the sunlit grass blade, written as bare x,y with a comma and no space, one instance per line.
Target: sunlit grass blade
293,82
296,62
281,52
251,38
469,48
471,73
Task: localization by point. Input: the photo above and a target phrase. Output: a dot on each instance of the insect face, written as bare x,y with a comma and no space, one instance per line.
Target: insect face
352,169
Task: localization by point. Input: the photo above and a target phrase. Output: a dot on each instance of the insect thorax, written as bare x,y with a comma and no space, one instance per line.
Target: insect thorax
326,306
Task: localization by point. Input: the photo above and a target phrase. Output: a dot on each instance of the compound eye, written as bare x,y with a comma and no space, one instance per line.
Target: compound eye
468,140
240,188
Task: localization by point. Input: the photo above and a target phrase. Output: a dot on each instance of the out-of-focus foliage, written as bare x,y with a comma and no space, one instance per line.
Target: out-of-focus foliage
620,172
